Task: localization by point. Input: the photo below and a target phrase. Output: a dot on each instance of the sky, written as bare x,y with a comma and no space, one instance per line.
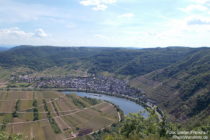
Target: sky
108,23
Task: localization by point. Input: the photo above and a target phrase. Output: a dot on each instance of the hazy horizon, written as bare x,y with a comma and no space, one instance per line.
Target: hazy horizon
128,47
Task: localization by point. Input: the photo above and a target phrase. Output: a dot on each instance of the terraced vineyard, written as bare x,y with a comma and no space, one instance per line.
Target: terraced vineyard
49,115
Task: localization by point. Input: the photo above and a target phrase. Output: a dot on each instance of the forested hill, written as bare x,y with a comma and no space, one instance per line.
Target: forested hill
122,61
183,88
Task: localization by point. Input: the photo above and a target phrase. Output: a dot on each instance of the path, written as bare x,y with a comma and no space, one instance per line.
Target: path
79,110
119,116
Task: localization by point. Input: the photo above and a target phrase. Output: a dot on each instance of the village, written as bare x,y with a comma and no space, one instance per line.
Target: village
99,84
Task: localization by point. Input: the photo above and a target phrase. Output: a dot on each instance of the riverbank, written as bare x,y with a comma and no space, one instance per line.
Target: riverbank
146,104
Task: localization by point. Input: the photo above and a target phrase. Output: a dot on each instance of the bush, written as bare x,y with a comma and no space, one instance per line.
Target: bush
53,124
17,105
35,110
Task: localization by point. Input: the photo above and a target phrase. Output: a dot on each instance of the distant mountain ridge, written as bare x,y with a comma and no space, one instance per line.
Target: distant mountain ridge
122,61
4,48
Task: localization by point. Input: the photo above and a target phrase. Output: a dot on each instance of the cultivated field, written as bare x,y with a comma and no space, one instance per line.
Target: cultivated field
50,115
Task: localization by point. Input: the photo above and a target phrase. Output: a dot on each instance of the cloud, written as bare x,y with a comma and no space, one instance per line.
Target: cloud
186,31
198,21
100,36
190,24
40,33
125,19
127,15
14,12
71,25
202,1
98,5
194,7
14,32
15,35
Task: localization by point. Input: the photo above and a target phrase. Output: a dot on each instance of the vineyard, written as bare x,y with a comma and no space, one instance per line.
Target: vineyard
50,115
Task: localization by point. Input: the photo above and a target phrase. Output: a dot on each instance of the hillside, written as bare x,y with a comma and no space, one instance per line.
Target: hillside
50,115
176,78
181,89
117,61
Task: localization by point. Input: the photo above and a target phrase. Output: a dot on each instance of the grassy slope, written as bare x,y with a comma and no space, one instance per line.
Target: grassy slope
181,89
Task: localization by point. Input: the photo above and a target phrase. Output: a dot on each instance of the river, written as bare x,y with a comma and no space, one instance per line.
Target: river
125,105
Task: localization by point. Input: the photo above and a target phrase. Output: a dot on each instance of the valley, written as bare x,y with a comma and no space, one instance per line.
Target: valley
104,70
171,83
